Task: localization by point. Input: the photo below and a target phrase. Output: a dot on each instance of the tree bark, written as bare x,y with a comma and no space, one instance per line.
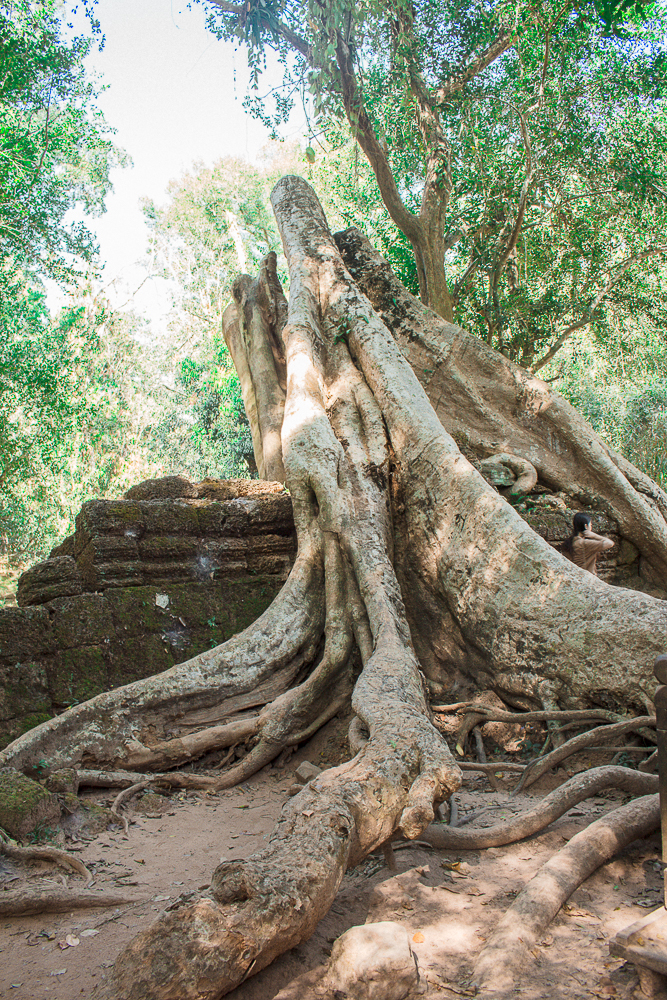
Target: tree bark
490,405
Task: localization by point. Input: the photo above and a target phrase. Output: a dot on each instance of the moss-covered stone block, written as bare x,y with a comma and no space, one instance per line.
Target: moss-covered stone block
108,517
134,611
64,781
168,547
24,690
75,675
140,656
81,621
169,517
25,805
25,633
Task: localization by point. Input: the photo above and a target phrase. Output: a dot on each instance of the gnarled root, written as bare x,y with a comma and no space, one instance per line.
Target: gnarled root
336,458
61,858
27,902
549,809
508,949
593,738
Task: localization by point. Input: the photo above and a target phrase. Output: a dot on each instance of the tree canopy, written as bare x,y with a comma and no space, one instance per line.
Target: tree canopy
520,152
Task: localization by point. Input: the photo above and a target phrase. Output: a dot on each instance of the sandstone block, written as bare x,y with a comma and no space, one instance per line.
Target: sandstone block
373,962
166,488
25,804
25,633
81,621
305,771
64,781
52,578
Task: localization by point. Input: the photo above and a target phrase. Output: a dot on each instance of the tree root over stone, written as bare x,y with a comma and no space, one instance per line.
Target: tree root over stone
507,951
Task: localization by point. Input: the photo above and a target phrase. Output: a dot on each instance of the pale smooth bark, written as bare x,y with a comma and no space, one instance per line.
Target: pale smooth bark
490,405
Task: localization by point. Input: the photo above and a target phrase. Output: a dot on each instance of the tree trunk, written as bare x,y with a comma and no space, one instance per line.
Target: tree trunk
408,560
491,405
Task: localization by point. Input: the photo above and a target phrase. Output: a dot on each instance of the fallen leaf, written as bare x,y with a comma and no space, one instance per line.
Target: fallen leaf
89,932
58,972
140,861
71,941
307,813
418,937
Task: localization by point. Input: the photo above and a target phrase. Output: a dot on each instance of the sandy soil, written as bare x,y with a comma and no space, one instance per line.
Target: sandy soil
452,907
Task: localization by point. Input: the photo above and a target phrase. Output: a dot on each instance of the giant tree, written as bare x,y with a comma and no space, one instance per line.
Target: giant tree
411,570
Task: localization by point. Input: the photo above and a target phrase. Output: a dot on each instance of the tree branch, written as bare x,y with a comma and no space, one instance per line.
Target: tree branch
523,200
241,11
364,133
457,82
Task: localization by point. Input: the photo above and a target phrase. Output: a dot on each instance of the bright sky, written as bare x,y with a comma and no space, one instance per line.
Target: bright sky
174,96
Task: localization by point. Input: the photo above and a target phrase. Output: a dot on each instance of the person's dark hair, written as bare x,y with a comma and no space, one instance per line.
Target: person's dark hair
579,523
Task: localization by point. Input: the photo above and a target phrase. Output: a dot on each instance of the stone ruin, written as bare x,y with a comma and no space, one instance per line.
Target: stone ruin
172,569
145,582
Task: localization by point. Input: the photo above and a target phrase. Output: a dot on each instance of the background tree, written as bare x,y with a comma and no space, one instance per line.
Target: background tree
59,398
403,76
214,224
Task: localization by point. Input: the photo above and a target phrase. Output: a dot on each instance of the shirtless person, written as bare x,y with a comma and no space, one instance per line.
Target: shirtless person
583,546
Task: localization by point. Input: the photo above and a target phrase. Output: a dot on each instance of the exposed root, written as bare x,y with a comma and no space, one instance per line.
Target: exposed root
336,457
124,796
296,715
508,949
123,779
592,738
61,858
502,765
171,753
550,808
492,714
479,746
26,902
357,735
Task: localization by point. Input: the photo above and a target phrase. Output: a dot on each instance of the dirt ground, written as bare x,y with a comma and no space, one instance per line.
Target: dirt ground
450,901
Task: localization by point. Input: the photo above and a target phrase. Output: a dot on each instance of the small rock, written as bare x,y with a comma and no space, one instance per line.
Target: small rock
305,771
65,780
294,789
25,804
373,962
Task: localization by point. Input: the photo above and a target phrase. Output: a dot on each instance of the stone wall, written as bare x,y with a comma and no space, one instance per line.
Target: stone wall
145,582
168,571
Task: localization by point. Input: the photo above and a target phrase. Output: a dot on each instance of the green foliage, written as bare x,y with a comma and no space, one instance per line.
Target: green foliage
216,224
548,166
61,405
619,385
55,151
75,409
